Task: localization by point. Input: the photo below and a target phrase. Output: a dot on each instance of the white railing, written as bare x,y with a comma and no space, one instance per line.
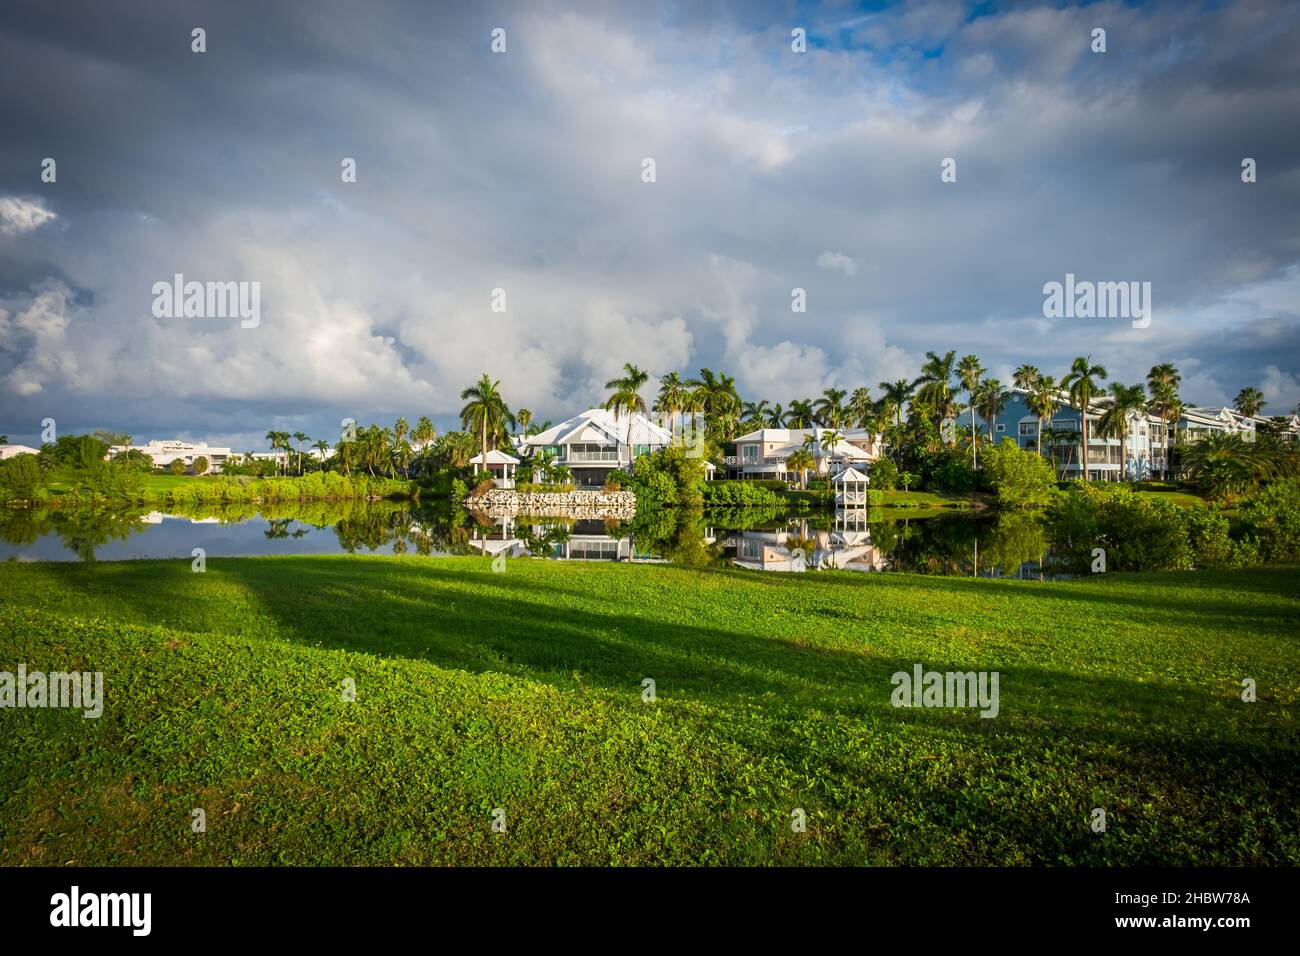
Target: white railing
587,456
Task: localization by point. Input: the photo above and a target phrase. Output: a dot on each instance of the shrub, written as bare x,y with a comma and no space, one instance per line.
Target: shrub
200,465
884,475
1270,521
458,490
740,494
20,477
1018,478
949,473
177,467
1137,533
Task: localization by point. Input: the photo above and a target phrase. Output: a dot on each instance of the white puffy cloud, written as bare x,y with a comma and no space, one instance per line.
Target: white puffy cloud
19,215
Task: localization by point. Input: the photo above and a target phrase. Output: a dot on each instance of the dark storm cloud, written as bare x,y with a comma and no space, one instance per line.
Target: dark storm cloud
521,171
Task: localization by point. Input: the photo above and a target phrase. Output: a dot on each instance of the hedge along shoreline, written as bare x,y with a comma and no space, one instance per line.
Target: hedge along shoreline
318,486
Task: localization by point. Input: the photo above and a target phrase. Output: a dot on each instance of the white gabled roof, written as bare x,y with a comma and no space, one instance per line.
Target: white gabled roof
600,426
850,474
495,457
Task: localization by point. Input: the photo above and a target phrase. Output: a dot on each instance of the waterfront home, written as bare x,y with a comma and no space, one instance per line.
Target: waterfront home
1144,457
763,453
13,451
163,453
596,442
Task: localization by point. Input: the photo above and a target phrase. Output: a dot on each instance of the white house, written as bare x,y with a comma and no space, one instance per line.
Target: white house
763,453
163,453
499,465
596,442
12,451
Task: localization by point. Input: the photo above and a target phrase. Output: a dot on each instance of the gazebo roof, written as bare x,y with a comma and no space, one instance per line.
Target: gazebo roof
495,457
850,476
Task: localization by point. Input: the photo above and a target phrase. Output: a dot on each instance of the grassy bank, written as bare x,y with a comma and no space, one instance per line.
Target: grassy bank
522,690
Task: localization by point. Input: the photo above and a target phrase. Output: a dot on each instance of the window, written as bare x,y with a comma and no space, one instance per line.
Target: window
749,454
1002,428
1027,428
639,450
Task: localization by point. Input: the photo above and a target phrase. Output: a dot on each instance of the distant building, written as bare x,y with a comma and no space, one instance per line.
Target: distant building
163,453
13,451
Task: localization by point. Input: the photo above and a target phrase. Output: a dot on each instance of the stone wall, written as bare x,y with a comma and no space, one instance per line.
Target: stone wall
574,504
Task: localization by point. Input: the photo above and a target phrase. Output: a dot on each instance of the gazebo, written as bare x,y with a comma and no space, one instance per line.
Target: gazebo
499,465
850,488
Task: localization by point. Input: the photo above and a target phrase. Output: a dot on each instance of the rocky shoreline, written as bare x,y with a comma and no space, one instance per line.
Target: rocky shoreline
574,504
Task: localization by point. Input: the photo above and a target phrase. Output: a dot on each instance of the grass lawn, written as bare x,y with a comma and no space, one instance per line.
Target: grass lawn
156,487
1184,498
522,691
927,499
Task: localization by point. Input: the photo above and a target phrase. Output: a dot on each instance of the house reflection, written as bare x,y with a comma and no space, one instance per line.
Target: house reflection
847,546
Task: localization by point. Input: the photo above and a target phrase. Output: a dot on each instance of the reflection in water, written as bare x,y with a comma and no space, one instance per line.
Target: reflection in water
856,540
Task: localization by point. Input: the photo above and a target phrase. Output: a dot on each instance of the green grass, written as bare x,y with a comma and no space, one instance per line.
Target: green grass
926,499
156,487
522,690
1184,498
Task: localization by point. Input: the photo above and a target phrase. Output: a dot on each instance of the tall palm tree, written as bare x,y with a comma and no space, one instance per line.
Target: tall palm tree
715,394
1026,377
626,398
300,437
1249,401
755,412
897,394
525,417
991,398
969,373
775,417
673,396
485,412
800,414
935,383
278,441
400,428
322,446
1162,387
861,407
1125,402
1044,400
423,432
1083,384
830,407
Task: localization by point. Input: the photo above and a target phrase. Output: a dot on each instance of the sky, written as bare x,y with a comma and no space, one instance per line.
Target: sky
523,171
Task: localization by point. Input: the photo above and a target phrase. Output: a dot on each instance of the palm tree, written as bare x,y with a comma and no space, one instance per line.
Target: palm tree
1226,465
322,446
936,383
861,407
1026,377
775,417
991,398
716,396
800,414
1044,400
897,394
1249,401
279,440
673,396
830,407
1162,385
801,460
755,412
400,428
300,437
1126,401
424,432
1082,384
485,411
524,416
969,372
626,397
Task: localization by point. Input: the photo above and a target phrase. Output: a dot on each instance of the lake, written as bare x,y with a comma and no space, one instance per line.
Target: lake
880,540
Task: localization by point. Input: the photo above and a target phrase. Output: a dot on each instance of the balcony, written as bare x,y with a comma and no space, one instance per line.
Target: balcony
610,456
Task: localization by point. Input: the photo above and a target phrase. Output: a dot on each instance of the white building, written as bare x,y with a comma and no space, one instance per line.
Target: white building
163,453
763,453
596,442
12,451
